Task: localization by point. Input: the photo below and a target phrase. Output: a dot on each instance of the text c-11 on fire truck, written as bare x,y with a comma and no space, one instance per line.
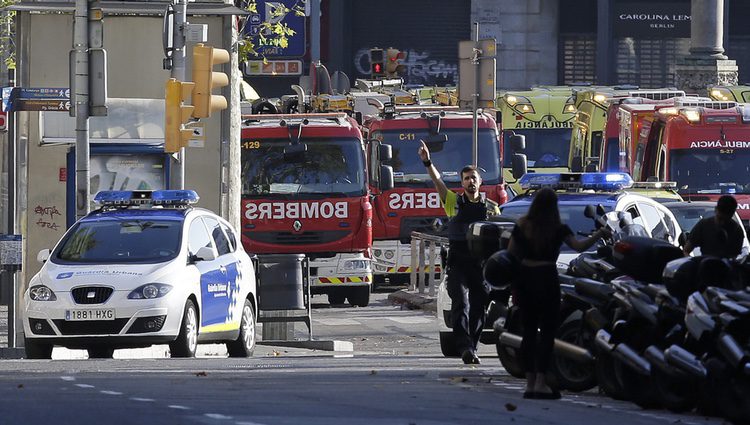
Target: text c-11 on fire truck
305,189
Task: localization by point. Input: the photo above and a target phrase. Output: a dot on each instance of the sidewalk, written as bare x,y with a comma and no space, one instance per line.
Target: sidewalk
414,300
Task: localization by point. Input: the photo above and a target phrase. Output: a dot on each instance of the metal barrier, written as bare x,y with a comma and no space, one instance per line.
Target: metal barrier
431,244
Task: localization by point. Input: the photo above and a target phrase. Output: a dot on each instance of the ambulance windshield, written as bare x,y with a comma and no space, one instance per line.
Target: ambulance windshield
544,148
325,167
449,157
711,170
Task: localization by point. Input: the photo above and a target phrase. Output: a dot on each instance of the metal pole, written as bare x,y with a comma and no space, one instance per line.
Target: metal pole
178,72
81,47
474,99
315,31
11,274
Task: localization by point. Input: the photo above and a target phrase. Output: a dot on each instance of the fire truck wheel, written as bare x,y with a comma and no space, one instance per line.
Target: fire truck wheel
360,296
336,298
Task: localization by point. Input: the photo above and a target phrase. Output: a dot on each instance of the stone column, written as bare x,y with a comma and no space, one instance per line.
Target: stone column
706,65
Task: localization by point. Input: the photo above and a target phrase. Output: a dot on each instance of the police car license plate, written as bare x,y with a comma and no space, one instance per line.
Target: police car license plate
90,314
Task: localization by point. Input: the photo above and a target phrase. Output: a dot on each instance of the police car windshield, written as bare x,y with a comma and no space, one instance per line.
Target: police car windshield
120,241
711,170
450,158
572,215
544,148
327,167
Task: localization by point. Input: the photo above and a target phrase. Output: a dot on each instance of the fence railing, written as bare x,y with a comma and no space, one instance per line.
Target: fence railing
425,260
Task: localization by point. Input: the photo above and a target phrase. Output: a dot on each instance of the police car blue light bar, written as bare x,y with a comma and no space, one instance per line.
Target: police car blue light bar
576,181
142,197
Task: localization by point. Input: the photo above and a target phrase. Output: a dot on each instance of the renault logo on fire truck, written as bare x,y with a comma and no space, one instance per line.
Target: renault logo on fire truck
297,225
296,210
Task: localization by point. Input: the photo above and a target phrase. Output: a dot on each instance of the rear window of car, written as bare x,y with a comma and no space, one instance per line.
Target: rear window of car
572,215
120,240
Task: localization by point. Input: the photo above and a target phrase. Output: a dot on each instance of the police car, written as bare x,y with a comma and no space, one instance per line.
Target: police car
575,191
145,268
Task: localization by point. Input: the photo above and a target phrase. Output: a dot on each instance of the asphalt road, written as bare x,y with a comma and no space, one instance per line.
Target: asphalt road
395,375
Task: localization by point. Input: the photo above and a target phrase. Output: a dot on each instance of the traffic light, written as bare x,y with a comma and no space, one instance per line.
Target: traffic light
376,63
392,66
204,59
176,113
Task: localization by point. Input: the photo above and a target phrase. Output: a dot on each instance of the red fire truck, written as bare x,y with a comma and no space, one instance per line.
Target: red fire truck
705,149
414,204
305,190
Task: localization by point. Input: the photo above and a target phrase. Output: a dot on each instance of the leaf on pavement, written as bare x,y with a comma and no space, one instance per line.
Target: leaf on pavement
510,407
201,374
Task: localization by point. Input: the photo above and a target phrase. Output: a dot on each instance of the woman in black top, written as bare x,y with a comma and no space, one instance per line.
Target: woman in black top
536,242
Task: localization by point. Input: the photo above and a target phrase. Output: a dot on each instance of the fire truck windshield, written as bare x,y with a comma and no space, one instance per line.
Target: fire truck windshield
326,167
450,157
544,148
711,170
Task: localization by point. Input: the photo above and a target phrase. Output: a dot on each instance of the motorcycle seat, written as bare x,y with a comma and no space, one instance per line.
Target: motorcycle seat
594,288
653,290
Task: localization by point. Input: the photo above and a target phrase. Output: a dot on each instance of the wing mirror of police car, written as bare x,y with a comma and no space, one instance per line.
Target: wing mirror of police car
204,254
683,238
43,255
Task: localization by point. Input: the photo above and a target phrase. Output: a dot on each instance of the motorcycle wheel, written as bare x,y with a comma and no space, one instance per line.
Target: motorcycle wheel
636,387
675,394
509,358
571,375
606,376
729,391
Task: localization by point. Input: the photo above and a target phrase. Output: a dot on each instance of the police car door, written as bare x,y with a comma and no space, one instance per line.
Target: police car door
213,286
228,304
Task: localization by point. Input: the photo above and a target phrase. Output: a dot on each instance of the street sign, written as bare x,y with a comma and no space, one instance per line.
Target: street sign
42,93
273,67
277,12
477,71
41,105
3,120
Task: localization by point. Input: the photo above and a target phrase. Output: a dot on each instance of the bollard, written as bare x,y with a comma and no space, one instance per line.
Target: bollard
430,269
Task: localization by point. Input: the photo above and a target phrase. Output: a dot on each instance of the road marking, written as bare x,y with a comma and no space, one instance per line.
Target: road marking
84,386
141,399
217,416
110,392
178,407
248,423
413,320
68,378
337,322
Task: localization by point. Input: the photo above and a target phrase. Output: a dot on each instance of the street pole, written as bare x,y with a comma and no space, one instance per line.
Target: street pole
81,48
474,101
178,72
314,31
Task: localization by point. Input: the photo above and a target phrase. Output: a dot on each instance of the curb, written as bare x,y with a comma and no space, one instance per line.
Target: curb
414,300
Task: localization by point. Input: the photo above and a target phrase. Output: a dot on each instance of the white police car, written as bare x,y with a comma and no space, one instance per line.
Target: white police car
145,268
575,191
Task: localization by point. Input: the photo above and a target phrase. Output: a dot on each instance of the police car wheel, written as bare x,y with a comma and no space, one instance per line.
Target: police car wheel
187,341
37,350
99,352
244,346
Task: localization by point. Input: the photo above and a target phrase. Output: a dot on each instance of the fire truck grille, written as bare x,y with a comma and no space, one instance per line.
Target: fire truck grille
431,225
289,238
91,294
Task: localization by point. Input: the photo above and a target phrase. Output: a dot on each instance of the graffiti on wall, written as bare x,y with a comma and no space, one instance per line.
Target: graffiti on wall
46,216
421,68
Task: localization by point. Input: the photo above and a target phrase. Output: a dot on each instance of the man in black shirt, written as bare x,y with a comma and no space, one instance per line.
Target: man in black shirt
720,235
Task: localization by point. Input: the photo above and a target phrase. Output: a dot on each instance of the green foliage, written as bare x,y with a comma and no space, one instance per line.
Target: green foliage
270,34
7,34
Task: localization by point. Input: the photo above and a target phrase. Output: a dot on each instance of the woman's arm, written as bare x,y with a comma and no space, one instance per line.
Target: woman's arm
581,245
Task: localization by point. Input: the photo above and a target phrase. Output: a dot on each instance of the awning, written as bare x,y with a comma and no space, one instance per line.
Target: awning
129,7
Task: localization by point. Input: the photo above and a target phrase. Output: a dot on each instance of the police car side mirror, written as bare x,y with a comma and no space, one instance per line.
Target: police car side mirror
205,254
43,255
683,238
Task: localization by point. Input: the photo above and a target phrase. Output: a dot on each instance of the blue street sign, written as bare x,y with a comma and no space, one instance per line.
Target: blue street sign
43,93
272,12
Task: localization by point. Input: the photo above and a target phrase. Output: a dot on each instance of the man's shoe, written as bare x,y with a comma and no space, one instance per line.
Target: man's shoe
469,357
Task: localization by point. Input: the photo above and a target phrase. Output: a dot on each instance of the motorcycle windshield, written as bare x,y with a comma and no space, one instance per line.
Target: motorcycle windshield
449,157
330,167
710,170
544,148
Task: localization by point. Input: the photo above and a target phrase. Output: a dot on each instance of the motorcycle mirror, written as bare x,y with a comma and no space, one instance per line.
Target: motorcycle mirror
589,211
600,210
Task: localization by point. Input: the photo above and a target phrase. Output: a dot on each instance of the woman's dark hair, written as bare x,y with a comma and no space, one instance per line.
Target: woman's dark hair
542,220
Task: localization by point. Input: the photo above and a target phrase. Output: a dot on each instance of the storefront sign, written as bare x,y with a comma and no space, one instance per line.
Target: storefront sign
652,20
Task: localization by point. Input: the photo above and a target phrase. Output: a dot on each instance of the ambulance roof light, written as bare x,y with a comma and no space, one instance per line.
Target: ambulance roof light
692,115
608,182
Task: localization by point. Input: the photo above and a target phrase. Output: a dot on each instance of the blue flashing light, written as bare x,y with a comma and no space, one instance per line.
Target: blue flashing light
146,197
576,181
